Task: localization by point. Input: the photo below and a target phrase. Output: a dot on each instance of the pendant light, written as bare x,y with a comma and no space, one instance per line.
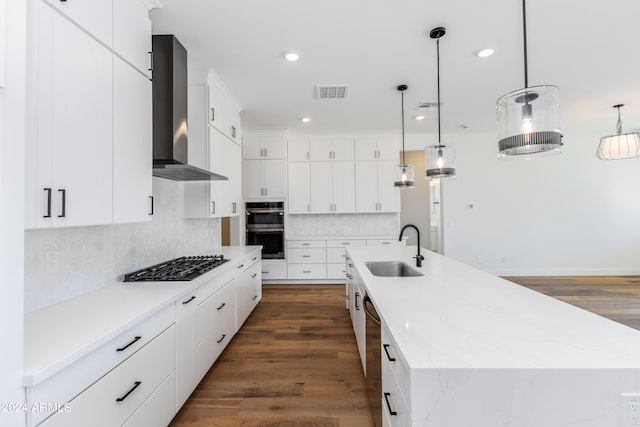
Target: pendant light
440,159
404,172
528,118
621,145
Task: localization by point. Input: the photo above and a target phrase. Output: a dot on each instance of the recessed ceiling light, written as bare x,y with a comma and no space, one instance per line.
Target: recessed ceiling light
305,120
419,117
291,55
484,53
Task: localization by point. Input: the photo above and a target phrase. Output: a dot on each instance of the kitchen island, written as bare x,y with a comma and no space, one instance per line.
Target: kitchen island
473,349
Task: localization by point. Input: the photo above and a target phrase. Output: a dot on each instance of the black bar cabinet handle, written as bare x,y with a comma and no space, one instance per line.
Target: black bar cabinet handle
221,338
151,198
240,266
357,306
189,300
254,275
48,215
386,399
386,350
64,203
130,344
213,114
135,386
254,297
221,306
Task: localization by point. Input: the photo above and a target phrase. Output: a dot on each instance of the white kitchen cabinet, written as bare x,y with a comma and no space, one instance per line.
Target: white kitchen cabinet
299,188
332,187
118,394
377,148
210,149
358,318
375,191
264,179
132,145
323,149
263,147
145,353
337,256
274,269
223,110
94,17
298,150
248,288
69,147
132,33
396,385
306,259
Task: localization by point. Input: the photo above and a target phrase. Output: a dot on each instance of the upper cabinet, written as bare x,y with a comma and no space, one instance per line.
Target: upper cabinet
263,147
211,149
324,149
132,33
94,17
374,148
85,164
223,110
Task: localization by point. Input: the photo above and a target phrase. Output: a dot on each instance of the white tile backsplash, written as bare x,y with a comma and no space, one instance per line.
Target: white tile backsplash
93,257
338,225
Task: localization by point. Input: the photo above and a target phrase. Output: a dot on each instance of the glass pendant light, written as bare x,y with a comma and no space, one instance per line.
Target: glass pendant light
404,172
621,145
440,159
528,118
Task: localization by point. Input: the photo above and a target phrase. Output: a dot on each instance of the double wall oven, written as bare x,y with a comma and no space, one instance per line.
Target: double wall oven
265,226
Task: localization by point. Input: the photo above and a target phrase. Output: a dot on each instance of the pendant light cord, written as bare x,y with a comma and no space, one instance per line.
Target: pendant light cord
619,122
524,33
439,105
402,112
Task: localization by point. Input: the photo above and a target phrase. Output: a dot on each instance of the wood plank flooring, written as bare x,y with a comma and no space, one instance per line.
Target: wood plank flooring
613,297
294,363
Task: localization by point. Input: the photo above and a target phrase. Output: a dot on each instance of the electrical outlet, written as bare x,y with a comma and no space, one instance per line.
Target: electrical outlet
630,406
51,261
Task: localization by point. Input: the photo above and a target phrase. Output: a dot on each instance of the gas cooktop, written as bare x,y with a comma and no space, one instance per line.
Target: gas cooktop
179,269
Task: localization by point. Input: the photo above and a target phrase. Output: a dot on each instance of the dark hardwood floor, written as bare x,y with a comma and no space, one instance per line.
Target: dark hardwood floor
295,362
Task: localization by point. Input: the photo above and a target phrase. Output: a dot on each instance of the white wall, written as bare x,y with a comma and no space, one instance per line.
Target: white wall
12,137
560,215
90,258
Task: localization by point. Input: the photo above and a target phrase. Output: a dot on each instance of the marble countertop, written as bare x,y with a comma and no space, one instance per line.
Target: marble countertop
61,334
456,316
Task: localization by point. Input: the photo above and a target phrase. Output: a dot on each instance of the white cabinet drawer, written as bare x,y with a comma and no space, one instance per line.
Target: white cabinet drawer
395,361
215,326
307,256
159,408
394,408
336,255
274,270
337,271
63,386
346,243
117,395
384,242
306,271
306,243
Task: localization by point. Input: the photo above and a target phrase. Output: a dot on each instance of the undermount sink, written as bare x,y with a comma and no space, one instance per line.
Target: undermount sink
392,269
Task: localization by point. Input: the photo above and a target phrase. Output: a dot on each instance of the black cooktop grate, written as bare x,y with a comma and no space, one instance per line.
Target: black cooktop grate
179,269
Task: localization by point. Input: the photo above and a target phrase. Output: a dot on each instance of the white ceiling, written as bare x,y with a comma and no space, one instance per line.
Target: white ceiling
589,49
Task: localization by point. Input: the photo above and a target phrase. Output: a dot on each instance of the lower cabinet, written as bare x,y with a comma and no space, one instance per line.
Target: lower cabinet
116,396
203,318
396,386
248,289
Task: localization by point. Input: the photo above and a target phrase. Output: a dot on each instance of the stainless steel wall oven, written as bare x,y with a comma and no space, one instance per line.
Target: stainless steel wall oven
265,226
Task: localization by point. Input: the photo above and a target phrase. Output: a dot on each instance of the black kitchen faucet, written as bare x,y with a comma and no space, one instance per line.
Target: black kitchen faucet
418,257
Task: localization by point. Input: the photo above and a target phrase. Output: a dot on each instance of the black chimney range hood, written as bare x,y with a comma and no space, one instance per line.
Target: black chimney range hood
170,132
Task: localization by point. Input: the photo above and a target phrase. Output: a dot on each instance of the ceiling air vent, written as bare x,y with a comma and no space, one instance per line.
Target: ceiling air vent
426,106
332,91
